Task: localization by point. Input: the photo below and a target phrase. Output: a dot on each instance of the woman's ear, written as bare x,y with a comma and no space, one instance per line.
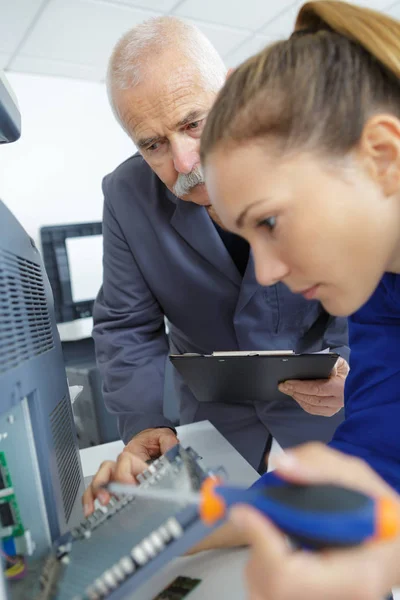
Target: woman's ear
380,149
230,71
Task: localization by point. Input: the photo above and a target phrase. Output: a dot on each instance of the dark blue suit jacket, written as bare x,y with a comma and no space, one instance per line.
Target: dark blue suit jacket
164,258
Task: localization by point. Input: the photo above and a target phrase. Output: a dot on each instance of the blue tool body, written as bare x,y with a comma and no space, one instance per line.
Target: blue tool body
314,516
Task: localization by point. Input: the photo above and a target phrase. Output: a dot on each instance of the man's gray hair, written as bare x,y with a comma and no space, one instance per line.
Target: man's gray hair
127,64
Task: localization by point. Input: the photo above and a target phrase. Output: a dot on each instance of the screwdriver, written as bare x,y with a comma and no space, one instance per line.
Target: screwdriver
314,516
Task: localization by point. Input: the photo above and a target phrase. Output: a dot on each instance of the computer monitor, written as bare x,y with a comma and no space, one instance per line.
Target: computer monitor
72,256
41,479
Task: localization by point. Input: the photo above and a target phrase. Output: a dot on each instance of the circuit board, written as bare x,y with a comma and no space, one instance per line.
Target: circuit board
10,519
120,546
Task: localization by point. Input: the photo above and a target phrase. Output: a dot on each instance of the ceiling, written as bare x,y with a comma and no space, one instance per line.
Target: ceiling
74,38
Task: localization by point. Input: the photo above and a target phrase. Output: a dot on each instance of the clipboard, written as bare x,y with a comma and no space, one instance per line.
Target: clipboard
250,377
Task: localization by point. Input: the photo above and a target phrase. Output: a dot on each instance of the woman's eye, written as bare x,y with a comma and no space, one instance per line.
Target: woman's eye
270,223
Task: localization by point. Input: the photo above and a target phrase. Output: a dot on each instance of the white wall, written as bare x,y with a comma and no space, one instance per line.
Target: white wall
69,141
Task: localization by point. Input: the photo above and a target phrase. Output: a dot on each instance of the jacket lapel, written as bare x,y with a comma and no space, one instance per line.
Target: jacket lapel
194,225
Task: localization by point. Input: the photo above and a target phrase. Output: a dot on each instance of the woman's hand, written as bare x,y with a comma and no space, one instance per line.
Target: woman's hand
275,572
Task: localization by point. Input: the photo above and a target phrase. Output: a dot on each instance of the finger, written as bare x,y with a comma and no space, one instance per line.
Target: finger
386,555
341,367
346,574
128,467
319,401
252,595
319,411
103,476
168,440
314,387
316,463
88,501
259,533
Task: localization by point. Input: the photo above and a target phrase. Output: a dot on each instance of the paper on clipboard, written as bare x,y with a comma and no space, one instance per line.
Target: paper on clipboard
253,353
262,352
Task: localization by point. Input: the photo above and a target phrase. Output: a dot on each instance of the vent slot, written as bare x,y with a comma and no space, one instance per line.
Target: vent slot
66,454
25,326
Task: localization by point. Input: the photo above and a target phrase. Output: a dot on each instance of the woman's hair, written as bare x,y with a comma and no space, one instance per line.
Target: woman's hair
316,89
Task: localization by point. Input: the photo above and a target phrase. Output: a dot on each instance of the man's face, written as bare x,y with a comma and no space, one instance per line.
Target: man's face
165,116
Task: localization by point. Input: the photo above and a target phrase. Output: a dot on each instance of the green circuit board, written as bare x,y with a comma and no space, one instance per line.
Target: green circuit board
10,518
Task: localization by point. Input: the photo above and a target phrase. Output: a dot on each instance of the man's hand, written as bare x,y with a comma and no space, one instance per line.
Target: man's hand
324,397
275,572
146,445
151,443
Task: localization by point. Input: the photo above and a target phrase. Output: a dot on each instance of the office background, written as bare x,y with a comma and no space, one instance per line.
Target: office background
55,53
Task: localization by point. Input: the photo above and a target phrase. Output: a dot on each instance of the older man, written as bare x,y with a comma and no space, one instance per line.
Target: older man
165,255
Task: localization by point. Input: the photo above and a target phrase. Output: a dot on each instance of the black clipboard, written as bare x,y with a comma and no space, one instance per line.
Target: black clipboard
248,379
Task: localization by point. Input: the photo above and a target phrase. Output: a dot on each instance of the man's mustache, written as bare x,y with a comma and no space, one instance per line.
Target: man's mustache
187,181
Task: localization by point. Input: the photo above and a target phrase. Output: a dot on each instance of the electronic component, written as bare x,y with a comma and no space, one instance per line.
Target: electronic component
5,477
15,567
6,516
121,545
10,518
41,481
24,544
178,589
16,541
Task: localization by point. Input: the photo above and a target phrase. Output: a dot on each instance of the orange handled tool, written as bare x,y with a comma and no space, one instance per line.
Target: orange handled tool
314,516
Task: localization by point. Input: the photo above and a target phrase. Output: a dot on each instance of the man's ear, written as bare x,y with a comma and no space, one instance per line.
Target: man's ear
229,73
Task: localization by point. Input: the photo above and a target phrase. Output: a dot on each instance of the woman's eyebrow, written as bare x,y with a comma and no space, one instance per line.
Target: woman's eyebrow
241,217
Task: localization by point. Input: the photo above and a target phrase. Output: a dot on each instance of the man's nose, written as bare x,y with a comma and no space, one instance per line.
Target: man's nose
185,157
269,268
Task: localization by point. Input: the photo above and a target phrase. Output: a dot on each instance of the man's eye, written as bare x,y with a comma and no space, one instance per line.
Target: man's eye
269,223
153,147
194,125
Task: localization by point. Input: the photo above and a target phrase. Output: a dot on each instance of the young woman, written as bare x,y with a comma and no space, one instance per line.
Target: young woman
302,158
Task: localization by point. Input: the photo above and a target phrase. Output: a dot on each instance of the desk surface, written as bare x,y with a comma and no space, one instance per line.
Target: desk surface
221,571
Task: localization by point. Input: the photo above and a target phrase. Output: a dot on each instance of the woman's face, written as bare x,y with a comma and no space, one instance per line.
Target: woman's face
324,229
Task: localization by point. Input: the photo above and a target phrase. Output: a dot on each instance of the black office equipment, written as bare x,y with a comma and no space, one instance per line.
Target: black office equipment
54,248
10,118
94,424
